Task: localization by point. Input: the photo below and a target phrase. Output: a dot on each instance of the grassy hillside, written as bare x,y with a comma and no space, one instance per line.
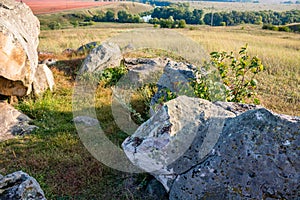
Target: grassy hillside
64,18
54,154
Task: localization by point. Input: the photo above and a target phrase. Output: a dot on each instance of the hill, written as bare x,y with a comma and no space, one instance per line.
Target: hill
65,18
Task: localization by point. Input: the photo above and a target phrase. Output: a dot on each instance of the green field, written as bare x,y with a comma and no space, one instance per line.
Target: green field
54,154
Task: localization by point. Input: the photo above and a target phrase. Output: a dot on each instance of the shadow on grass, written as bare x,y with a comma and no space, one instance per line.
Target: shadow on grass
55,155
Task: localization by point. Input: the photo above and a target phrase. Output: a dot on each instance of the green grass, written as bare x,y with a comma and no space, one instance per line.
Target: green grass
278,87
54,154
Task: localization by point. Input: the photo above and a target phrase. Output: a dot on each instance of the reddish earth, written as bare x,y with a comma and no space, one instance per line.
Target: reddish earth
50,6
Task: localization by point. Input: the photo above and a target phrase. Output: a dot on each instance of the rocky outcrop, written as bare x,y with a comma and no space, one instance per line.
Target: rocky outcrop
176,78
19,186
203,150
144,70
104,56
43,80
13,122
19,30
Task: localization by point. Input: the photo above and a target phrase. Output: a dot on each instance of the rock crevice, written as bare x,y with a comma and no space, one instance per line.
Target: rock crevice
219,150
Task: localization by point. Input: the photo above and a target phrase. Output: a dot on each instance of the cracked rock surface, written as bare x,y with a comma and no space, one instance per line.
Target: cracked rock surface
19,186
203,150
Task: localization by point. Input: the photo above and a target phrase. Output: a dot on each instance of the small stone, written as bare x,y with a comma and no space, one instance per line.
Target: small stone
85,120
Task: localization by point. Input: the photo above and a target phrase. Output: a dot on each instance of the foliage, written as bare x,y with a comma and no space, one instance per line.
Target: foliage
88,23
110,16
168,23
54,25
107,77
111,76
179,12
236,73
276,28
252,17
125,17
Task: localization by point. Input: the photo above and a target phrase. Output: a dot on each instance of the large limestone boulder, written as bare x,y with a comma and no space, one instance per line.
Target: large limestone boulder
19,186
43,80
13,122
203,150
105,55
19,30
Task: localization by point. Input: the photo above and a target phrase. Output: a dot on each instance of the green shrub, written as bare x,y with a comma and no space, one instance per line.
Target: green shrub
54,25
89,23
284,28
223,24
237,75
111,76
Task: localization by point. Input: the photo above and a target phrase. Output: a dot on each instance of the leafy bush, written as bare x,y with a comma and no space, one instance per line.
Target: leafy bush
236,73
125,17
284,28
89,23
107,77
54,25
168,23
276,28
111,76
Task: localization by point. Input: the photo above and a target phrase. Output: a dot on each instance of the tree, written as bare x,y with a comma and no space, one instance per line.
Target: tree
54,25
181,23
110,16
123,16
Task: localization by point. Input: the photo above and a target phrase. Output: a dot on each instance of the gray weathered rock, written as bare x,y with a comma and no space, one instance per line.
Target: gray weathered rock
43,80
104,56
175,132
230,152
19,30
176,78
20,186
175,72
13,122
144,70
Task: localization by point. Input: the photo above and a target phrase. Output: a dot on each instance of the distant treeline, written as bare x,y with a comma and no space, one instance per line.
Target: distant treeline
252,17
108,16
226,18
178,15
179,12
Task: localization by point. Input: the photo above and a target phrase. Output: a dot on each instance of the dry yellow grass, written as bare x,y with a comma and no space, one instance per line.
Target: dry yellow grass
57,41
278,85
